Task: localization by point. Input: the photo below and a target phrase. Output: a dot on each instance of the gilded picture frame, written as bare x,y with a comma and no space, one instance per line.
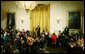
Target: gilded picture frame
74,20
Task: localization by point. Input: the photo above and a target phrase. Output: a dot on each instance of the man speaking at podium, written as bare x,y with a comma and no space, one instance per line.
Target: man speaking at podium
38,31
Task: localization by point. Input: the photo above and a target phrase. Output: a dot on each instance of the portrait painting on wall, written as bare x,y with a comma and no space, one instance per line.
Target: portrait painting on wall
74,20
11,20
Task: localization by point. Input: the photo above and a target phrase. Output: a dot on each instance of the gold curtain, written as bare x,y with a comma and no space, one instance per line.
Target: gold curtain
40,16
3,14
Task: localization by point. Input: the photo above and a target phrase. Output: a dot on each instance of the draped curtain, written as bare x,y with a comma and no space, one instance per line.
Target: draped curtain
40,16
3,14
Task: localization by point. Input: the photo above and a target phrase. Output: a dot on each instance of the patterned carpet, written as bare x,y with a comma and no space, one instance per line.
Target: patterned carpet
54,50
13,49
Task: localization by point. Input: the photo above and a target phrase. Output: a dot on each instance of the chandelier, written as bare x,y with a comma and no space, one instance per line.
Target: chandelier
27,5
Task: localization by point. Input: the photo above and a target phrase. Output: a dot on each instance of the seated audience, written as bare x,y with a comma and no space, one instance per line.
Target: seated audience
54,37
46,37
42,41
5,38
62,40
26,42
2,40
59,34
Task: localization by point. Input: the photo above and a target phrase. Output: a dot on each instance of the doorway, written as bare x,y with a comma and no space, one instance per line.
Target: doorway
11,20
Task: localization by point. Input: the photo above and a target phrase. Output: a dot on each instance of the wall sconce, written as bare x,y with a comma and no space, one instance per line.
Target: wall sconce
22,20
58,20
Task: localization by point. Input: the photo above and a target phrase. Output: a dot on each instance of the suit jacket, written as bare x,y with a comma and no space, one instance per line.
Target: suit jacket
39,29
9,27
66,31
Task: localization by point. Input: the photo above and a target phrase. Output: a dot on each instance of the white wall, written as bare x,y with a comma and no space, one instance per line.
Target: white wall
58,9
19,14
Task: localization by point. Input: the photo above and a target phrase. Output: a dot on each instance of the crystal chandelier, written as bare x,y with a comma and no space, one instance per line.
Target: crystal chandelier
27,5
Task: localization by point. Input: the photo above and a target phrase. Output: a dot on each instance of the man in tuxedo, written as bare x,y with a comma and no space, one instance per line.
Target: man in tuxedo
9,27
38,31
67,31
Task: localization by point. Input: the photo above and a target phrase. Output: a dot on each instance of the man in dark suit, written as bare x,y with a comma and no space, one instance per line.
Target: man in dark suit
9,27
38,31
66,31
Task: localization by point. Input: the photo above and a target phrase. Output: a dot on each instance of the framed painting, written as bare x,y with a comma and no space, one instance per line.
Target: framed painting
11,20
74,20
